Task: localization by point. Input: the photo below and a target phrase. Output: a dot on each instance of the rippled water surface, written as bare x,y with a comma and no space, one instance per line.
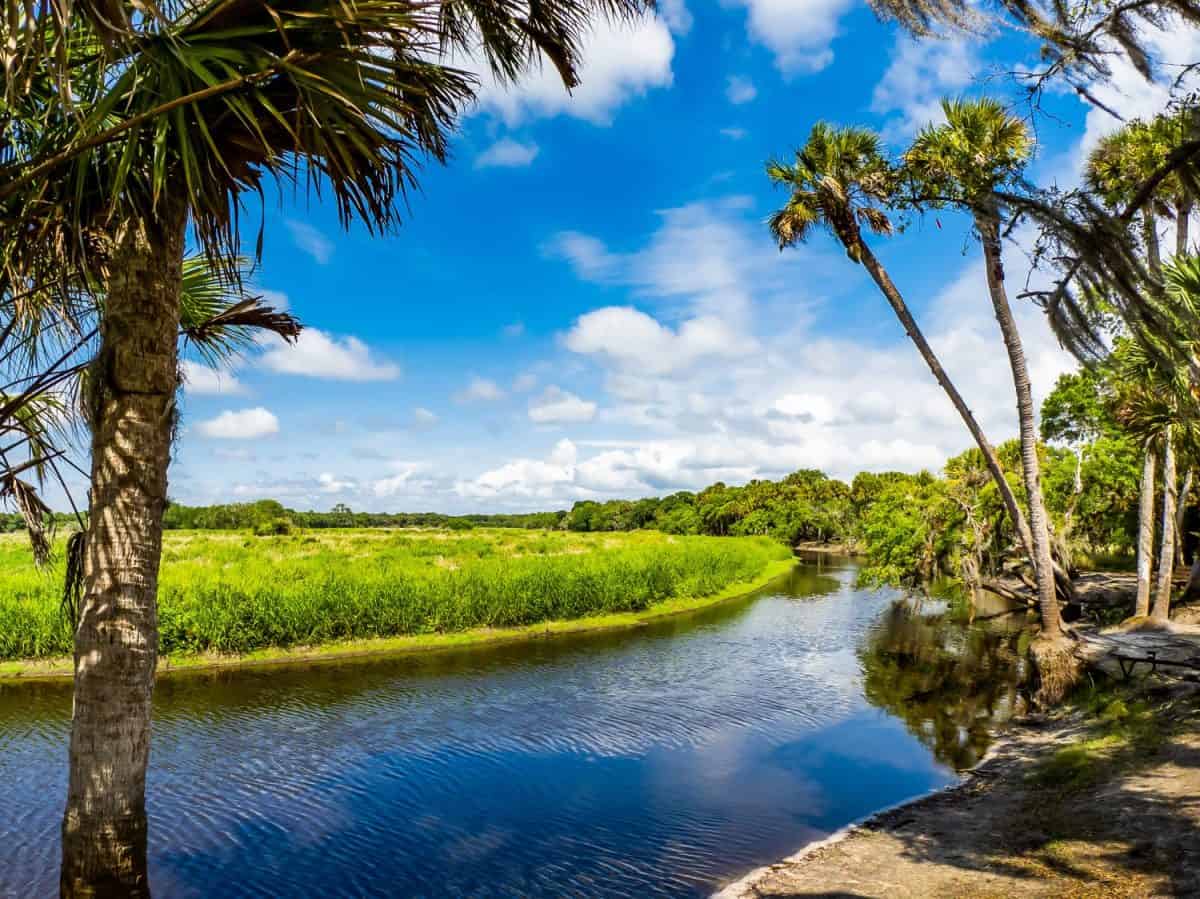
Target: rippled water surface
660,762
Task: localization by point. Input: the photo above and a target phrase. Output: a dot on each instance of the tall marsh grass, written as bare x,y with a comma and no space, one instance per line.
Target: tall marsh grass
236,593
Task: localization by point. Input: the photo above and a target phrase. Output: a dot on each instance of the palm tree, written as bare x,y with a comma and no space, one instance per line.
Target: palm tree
840,181
125,124
965,161
1114,171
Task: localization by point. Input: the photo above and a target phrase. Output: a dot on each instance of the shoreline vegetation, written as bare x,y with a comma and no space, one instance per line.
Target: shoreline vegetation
495,585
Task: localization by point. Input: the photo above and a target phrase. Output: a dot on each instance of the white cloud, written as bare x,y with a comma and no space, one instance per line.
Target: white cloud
921,73
739,90
507,153
328,483
528,478
632,339
246,424
798,32
621,61
402,482
479,390
733,133
557,406
311,241
201,380
525,382
1130,95
711,257
676,15
320,355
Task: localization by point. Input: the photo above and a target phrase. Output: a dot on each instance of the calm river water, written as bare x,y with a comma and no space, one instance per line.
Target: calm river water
660,762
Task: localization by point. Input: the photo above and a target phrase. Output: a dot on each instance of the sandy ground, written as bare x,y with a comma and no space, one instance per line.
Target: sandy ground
1134,832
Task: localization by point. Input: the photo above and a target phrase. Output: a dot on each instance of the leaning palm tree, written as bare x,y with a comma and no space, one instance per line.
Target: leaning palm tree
841,181
124,124
965,162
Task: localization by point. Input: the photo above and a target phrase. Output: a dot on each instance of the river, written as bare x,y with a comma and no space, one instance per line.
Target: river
656,762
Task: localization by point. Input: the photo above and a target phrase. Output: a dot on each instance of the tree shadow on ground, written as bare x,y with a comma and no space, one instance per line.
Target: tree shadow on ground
1104,809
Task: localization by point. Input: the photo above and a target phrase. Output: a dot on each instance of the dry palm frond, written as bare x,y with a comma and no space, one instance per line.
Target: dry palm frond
39,522
1079,39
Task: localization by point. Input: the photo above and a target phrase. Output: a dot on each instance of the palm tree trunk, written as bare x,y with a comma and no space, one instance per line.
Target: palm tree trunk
1150,236
988,223
896,301
1183,214
1180,514
1166,555
131,410
1145,547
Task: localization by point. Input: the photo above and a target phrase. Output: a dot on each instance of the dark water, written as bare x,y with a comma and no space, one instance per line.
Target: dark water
653,763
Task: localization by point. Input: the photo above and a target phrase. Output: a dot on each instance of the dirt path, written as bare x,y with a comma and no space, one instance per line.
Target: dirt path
1073,807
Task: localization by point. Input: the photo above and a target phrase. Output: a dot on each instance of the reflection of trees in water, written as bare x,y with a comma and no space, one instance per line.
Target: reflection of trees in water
947,681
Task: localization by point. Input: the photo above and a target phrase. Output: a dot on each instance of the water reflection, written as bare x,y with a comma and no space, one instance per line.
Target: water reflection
950,681
654,762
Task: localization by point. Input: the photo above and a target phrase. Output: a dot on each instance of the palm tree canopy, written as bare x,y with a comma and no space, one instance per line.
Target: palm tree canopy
114,112
979,149
1123,161
1154,391
839,180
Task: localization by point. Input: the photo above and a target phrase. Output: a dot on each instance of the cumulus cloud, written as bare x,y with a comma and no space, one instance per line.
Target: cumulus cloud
557,406
798,33
311,241
327,482
632,339
479,390
320,355
507,153
246,424
733,133
676,15
622,60
527,478
202,380
739,90
524,383
920,74
707,258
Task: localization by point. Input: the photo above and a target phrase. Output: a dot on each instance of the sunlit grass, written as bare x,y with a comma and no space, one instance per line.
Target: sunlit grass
231,593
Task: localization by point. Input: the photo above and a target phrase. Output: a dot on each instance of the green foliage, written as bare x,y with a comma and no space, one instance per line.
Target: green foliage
223,593
275,527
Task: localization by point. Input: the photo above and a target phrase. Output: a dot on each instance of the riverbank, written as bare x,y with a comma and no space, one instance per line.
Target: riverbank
1096,801
59,667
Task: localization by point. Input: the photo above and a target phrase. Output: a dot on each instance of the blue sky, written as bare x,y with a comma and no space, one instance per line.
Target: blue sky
585,303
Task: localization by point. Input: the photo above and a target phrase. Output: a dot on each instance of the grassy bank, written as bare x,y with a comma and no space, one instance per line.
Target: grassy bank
223,593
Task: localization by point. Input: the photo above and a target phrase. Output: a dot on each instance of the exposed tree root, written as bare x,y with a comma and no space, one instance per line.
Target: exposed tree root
1057,669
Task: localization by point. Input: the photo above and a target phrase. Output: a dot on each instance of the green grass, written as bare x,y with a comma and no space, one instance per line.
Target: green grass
1123,728
228,593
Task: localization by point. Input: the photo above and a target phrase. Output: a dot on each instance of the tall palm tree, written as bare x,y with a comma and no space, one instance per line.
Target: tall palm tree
1114,171
841,181
965,161
125,124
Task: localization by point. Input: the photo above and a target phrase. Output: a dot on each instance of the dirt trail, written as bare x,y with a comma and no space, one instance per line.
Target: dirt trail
1131,827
